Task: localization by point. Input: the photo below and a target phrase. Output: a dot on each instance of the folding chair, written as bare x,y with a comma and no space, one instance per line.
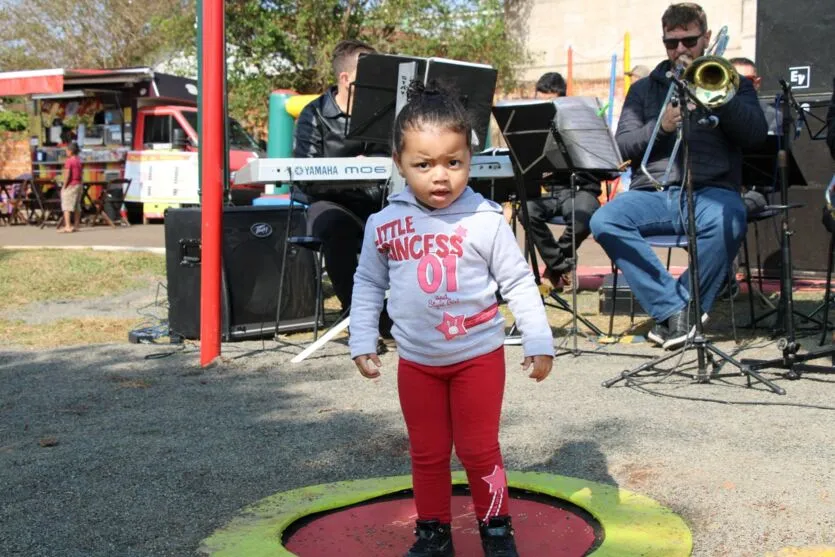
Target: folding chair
828,298
664,241
115,193
561,303
668,242
301,242
314,244
11,200
96,202
47,207
753,221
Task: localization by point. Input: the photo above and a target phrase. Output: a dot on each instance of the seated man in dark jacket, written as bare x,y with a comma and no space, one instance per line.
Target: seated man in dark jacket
558,255
338,211
716,159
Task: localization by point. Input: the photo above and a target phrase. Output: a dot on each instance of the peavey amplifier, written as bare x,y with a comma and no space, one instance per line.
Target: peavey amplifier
253,242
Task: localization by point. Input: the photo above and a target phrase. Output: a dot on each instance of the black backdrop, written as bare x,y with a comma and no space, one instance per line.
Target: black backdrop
792,34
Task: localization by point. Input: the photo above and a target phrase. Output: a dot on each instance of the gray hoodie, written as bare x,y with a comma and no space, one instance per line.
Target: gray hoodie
443,268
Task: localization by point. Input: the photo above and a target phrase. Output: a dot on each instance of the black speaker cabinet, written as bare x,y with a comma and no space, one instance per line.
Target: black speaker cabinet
794,43
253,241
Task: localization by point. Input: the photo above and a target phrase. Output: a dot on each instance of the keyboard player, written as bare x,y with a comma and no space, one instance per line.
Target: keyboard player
338,211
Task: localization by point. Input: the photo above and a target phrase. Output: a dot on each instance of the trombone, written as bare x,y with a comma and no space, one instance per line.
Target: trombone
712,81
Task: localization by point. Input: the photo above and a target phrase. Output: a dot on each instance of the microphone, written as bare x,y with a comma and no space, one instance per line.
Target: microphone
785,86
801,121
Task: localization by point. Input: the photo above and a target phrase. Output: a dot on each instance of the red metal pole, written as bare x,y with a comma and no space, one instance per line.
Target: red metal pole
211,173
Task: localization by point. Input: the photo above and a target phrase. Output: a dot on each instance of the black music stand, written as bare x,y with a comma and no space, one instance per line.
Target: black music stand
760,169
791,361
554,143
375,95
759,166
379,91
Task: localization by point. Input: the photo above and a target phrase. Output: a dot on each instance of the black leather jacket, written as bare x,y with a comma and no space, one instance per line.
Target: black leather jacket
320,132
715,153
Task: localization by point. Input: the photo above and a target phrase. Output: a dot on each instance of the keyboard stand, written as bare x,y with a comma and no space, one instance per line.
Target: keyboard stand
322,340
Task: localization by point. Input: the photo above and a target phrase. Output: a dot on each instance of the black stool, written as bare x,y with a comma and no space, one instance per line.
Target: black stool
754,219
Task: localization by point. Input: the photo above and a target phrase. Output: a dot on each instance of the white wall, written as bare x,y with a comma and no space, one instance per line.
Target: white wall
596,28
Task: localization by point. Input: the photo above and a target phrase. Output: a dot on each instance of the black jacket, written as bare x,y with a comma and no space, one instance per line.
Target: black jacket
320,132
715,153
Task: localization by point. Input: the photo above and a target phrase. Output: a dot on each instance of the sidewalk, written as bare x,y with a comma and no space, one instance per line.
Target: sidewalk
594,263
592,257
137,236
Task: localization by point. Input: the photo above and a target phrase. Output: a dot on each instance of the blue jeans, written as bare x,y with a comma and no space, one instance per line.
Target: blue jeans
621,225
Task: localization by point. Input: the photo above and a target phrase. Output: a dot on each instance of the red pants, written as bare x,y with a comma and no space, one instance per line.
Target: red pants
461,404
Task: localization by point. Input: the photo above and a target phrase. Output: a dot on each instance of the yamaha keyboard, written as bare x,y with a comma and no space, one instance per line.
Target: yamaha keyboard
353,169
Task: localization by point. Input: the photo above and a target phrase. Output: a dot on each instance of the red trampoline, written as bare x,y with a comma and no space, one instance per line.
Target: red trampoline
384,528
553,516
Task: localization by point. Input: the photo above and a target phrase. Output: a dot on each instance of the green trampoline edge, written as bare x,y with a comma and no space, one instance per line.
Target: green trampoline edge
632,523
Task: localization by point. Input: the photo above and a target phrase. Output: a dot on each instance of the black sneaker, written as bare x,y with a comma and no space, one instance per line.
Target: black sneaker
730,290
673,332
497,537
433,540
659,333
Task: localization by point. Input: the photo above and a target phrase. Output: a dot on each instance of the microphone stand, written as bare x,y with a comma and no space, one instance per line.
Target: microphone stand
705,350
790,360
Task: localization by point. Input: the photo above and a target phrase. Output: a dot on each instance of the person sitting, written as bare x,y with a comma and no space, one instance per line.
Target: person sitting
638,72
337,213
755,200
716,161
558,255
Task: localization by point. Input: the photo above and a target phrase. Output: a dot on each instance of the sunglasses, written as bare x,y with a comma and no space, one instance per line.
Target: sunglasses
688,42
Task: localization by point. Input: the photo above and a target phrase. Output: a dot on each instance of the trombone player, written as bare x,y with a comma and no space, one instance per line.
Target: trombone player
716,163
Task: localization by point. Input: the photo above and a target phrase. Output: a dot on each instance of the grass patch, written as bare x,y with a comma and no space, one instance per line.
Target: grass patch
67,332
47,275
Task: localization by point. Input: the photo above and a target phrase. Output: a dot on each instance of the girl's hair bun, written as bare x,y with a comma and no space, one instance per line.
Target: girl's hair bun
418,90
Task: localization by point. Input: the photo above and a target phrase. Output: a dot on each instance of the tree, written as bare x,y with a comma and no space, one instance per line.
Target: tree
91,33
283,44
272,44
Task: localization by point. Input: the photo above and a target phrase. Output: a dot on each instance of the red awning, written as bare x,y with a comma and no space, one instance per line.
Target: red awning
52,81
13,84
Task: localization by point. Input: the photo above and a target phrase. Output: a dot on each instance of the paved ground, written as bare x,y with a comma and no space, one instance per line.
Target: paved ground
147,455
133,450
146,236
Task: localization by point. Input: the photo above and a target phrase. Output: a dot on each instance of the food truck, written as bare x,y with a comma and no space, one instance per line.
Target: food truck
131,123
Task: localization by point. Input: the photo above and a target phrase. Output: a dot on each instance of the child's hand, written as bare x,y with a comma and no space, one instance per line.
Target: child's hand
370,364
541,366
